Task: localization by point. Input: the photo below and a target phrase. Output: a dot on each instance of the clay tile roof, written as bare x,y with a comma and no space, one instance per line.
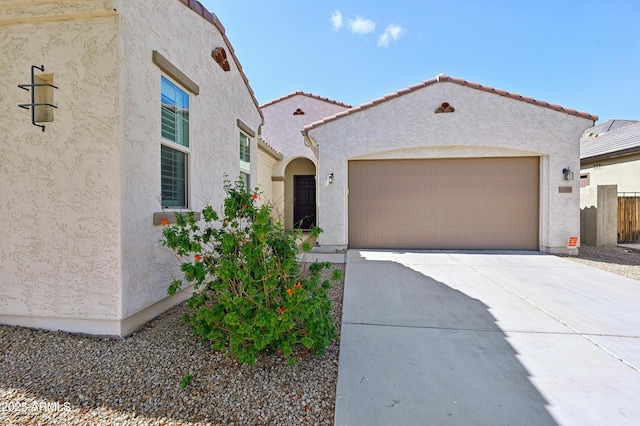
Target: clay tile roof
198,8
443,78
275,153
310,95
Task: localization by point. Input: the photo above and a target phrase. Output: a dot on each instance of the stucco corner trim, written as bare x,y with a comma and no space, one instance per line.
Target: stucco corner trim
245,128
173,72
170,217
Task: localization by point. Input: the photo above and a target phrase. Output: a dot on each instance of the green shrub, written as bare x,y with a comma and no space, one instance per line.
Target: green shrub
250,296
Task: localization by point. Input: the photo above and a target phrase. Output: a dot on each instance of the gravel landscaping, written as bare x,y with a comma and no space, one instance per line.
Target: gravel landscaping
621,261
55,378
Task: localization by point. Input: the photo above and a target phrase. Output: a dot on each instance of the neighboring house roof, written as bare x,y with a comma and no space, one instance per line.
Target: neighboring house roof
310,95
197,7
271,150
607,126
615,143
443,78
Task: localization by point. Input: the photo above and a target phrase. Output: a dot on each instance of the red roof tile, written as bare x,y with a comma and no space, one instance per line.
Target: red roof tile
311,95
277,154
197,7
442,78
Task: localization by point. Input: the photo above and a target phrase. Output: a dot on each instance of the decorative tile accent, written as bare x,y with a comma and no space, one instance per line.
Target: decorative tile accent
443,78
445,107
220,56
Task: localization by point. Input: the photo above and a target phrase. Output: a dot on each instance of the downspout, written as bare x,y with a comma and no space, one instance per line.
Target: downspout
310,142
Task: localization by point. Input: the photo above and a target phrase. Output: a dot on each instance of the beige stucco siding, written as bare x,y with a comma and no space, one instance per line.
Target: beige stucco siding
186,40
60,189
81,252
282,131
483,124
282,128
622,171
267,159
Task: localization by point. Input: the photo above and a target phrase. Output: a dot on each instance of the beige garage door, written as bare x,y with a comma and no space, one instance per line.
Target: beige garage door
458,203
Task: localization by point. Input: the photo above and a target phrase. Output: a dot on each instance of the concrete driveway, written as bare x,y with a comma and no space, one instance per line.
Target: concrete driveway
486,338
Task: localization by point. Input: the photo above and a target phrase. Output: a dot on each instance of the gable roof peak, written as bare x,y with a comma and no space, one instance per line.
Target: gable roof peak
444,78
307,94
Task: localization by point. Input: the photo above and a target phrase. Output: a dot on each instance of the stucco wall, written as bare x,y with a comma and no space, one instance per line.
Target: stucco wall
282,129
483,124
622,171
60,263
81,252
599,221
266,163
186,40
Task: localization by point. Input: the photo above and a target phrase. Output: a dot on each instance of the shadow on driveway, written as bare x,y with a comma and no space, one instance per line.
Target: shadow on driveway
422,352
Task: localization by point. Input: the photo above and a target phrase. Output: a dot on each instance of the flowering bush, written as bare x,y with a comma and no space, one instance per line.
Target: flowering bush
250,296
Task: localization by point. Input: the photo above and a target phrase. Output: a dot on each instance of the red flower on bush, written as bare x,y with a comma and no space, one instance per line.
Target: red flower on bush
238,235
164,221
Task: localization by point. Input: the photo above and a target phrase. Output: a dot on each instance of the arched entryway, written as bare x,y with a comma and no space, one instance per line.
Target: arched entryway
300,194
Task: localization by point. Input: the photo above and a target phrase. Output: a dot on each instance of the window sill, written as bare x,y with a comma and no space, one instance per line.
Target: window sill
159,217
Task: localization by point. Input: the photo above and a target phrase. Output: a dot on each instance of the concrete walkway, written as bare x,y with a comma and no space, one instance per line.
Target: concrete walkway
482,338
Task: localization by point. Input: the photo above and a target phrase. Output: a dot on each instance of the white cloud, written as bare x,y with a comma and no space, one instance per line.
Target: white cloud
393,32
361,25
336,20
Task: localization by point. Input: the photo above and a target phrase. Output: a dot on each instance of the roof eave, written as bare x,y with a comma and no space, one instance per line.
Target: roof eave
198,8
307,94
443,78
611,155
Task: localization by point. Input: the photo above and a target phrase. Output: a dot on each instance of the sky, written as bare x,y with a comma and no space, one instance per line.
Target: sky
581,54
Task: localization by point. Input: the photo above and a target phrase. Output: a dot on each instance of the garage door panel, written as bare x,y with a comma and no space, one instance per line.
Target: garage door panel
477,203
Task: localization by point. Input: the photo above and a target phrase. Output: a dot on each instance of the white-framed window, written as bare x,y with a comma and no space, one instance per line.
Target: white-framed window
245,160
174,155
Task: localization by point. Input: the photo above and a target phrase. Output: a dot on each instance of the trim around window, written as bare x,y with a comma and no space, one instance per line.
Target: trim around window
173,72
245,128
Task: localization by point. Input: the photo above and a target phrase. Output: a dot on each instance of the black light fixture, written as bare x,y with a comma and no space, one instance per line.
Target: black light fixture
330,178
40,101
568,174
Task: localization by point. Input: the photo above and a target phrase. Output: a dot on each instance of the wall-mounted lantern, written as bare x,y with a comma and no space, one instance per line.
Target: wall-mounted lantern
330,177
41,89
567,173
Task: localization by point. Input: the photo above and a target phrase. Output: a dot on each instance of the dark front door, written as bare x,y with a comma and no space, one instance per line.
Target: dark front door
304,201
